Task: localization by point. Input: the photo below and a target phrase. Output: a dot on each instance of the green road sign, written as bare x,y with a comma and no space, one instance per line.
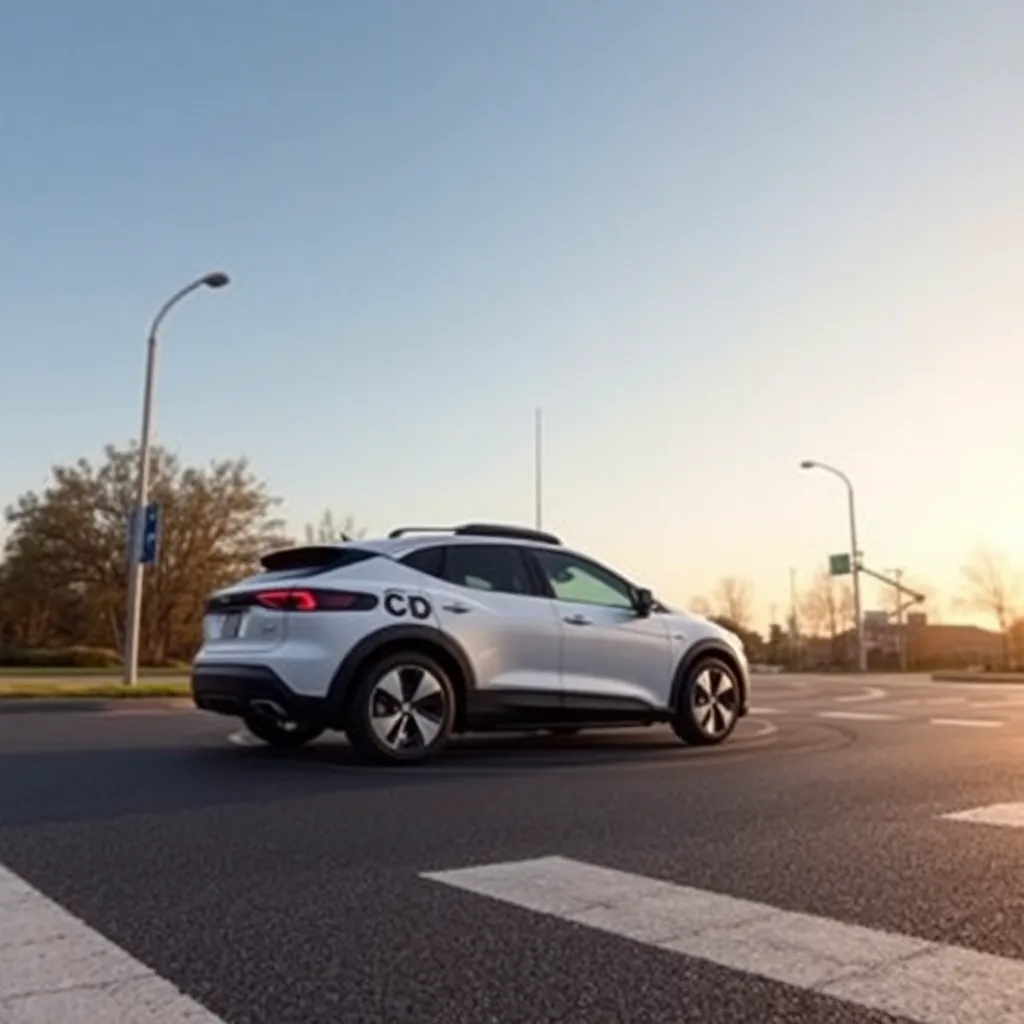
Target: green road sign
839,565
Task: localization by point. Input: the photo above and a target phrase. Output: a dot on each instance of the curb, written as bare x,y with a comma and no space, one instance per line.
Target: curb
978,677
37,705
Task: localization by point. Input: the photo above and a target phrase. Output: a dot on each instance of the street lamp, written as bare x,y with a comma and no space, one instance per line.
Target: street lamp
862,660
217,279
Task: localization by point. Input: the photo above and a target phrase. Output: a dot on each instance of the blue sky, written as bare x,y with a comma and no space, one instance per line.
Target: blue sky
709,239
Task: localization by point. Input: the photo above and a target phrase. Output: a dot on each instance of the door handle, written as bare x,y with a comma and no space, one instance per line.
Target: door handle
458,607
577,620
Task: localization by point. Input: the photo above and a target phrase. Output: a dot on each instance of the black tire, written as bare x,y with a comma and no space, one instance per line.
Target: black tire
388,730
284,735
708,703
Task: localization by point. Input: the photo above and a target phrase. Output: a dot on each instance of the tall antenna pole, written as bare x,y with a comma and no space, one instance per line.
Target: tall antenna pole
537,464
794,629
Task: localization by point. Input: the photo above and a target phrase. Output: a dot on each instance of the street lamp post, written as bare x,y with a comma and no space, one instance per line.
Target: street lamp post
862,660
135,568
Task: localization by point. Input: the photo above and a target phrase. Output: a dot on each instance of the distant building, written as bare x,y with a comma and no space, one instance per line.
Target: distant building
929,646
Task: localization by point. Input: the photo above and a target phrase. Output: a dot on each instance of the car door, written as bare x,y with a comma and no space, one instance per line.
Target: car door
610,654
488,601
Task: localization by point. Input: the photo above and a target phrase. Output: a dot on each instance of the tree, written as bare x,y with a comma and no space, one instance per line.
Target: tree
731,609
65,559
734,600
992,586
327,531
827,608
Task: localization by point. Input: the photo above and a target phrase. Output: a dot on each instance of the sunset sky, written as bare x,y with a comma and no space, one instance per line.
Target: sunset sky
709,239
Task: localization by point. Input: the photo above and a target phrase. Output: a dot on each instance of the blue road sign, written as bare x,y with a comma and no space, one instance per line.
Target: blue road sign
150,534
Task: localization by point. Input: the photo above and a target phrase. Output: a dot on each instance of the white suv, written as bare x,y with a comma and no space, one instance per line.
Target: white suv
400,642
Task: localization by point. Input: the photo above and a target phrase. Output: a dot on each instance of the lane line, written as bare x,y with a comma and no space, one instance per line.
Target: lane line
766,711
869,693
1006,815
55,968
967,723
860,716
917,980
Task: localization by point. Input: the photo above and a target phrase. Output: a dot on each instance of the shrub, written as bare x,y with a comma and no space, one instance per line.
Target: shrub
60,657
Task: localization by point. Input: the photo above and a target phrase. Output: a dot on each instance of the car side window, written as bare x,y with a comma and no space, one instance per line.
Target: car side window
429,560
575,579
496,567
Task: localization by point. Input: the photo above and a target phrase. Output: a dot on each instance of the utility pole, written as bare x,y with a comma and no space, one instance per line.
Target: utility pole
901,632
794,638
537,465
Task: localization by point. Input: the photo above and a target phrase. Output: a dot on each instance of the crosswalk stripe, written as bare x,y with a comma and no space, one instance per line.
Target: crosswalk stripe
55,969
918,980
1007,815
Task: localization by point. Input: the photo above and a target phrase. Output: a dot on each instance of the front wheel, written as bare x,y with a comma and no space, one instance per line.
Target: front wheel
402,711
281,732
708,705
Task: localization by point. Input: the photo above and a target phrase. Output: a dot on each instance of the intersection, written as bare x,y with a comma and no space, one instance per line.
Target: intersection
851,855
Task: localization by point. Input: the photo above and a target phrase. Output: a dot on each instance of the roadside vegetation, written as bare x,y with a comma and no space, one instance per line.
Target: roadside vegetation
20,688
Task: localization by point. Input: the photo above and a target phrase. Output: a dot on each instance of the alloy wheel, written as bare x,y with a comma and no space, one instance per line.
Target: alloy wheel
407,709
715,699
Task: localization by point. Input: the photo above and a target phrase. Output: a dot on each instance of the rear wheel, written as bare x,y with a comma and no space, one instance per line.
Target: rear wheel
403,710
709,703
281,732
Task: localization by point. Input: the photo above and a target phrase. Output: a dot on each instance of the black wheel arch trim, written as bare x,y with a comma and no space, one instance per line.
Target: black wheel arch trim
710,648
371,645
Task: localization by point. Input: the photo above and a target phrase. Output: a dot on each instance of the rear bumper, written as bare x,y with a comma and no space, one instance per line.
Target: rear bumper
230,689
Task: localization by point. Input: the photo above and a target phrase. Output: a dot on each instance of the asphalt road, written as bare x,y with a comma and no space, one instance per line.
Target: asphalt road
804,872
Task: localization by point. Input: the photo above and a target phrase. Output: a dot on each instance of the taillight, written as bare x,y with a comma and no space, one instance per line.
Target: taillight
301,600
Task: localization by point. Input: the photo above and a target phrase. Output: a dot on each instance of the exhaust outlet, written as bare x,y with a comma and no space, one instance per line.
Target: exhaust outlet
270,708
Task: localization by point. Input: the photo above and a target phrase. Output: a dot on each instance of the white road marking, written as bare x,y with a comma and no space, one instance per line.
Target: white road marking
917,980
968,723
54,969
869,693
765,711
860,716
1007,815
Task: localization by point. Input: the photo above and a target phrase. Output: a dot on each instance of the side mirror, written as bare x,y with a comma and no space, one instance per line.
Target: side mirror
643,602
